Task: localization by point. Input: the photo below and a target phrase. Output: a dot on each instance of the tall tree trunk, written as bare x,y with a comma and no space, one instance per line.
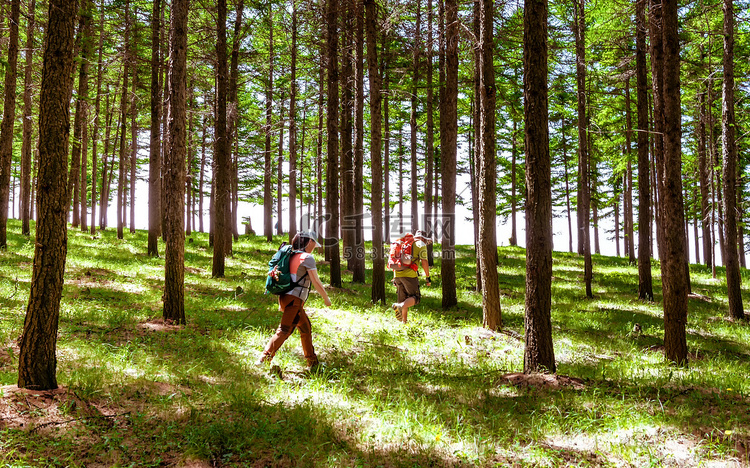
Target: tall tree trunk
378,263
645,289
657,76
386,146
448,139
703,178
322,92
189,195
97,107
729,167
441,97
696,215
104,192
279,171
221,194
674,278
513,186
293,130
80,118
133,132
400,154
37,360
123,123
567,181
430,135
174,175
27,130
584,205
358,265
9,117
628,213
202,174
87,12
346,129
416,52
539,354
332,167
232,231
154,159
267,174
319,149
487,171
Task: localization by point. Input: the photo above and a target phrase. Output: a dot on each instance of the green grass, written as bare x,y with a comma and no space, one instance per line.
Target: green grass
435,392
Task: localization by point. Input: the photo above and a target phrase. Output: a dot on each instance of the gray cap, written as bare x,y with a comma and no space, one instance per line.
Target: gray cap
310,235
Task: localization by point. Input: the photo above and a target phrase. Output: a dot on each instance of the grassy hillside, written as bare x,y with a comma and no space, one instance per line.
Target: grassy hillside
439,391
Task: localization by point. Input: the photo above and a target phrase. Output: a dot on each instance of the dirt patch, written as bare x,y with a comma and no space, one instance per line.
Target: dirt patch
541,381
159,324
48,410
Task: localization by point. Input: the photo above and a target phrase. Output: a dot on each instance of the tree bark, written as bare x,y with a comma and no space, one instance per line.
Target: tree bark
703,178
386,146
430,134
487,171
174,175
133,134
346,132
267,174
584,205
27,119
539,354
279,171
674,278
202,175
332,167
86,51
358,265
78,123
97,107
628,212
9,117
729,167
378,262
232,232
416,53
293,131
154,165
448,137
645,289
37,360
123,123
221,152
567,182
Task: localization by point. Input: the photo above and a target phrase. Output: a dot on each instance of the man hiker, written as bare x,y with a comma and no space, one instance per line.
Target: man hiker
405,255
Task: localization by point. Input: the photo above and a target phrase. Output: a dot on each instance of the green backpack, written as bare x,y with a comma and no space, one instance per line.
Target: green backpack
279,278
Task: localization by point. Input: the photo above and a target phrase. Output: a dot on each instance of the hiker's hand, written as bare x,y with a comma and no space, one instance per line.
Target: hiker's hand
427,281
327,302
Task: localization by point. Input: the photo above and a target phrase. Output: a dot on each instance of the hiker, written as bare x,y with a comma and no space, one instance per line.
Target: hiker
411,250
304,274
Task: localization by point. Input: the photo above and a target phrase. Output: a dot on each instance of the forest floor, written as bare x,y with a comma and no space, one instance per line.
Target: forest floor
439,391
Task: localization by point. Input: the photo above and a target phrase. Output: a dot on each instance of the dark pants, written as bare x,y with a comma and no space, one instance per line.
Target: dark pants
294,316
408,287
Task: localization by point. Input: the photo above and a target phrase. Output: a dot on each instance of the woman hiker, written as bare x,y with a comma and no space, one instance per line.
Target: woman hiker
304,271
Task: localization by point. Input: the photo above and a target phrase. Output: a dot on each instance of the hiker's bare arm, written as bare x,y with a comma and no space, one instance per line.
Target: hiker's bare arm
426,269
319,286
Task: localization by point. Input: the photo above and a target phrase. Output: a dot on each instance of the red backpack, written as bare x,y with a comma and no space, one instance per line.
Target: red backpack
400,255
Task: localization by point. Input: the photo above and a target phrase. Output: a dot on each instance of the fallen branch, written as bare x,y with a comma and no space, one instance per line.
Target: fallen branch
60,423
